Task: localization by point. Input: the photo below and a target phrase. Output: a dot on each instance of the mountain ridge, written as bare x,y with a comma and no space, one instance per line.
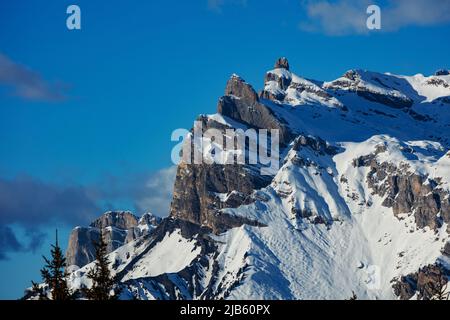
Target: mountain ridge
359,204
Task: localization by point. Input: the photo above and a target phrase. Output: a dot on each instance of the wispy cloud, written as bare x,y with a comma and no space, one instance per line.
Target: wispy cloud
217,5
32,204
335,18
416,12
157,192
8,242
344,17
147,191
28,84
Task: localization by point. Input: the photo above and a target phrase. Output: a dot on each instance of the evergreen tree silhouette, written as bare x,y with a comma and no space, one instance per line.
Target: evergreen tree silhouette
54,275
440,289
353,297
104,286
38,291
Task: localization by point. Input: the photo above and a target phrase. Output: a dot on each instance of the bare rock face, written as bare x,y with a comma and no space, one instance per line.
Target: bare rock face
446,250
198,186
315,143
411,193
117,219
427,282
195,194
282,63
407,193
201,190
396,101
283,81
241,103
118,227
81,250
406,287
237,87
149,219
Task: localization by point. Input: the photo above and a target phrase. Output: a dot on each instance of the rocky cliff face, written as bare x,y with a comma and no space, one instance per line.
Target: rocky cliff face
407,192
358,81
426,283
117,219
118,228
242,104
200,191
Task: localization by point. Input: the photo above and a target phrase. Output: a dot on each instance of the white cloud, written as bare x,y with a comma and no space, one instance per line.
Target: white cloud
343,17
139,191
217,5
157,192
335,18
32,204
417,12
27,83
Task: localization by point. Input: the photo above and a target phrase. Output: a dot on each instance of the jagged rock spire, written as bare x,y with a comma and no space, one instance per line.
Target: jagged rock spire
237,86
282,63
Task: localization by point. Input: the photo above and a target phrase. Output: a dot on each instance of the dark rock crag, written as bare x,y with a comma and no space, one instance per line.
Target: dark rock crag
195,196
353,84
426,283
406,192
118,228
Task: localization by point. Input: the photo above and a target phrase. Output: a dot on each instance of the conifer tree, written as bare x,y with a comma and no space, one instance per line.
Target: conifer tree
37,291
440,290
54,275
442,293
103,284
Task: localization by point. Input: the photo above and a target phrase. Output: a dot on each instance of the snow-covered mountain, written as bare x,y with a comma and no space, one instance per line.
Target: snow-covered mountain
360,202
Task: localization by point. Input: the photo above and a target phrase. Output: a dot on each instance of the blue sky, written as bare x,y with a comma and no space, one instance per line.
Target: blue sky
89,113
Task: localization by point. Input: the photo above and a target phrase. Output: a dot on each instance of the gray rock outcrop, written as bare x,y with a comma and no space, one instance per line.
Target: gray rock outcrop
427,282
241,103
355,84
118,228
407,193
282,63
197,186
118,219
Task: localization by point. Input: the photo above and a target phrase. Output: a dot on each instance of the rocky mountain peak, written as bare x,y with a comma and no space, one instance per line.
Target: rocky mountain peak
149,219
373,179
237,87
118,228
118,219
352,75
282,63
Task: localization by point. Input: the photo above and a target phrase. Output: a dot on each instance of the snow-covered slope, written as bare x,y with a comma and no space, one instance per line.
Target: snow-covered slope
360,202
